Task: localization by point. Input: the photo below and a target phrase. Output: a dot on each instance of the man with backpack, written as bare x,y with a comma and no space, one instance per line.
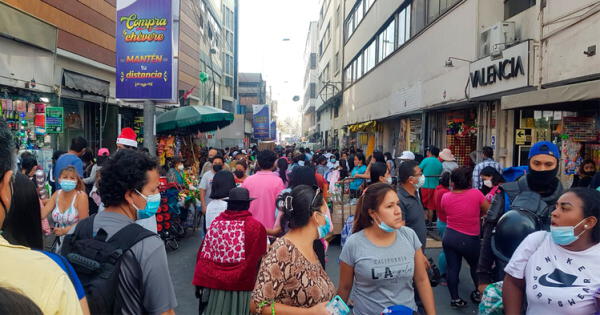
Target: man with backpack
521,208
122,265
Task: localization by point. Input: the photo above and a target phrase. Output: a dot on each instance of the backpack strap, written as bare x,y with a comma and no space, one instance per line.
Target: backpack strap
130,235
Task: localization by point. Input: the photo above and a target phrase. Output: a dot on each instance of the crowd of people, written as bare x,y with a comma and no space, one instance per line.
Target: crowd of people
91,247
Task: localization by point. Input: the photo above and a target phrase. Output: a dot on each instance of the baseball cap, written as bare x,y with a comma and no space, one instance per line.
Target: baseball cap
544,147
103,152
407,155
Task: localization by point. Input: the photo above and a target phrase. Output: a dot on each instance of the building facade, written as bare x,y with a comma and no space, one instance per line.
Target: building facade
308,124
465,74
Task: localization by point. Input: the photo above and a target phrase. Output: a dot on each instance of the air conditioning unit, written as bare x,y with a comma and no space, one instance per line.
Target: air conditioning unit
496,38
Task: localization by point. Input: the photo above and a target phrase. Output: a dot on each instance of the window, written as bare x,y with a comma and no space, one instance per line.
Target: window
336,111
370,56
368,4
387,40
417,16
348,74
325,40
358,69
313,90
350,26
514,7
336,64
313,61
325,74
407,12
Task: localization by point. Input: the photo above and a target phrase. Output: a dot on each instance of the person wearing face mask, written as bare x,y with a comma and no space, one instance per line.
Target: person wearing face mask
587,170
129,190
206,181
463,206
556,272
175,173
521,207
410,179
241,172
380,261
30,272
67,206
290,279
491,180
380,173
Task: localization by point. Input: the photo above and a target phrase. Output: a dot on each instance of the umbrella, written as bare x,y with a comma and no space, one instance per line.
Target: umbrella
191,119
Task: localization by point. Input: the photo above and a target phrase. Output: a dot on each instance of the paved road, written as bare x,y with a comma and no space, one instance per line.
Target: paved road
182,263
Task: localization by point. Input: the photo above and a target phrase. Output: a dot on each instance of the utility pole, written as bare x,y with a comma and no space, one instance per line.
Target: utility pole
149,136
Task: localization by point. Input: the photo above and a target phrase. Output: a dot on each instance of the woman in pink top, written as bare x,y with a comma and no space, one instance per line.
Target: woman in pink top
464,207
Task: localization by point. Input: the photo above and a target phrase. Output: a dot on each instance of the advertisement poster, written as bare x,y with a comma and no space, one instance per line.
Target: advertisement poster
273,130
260,121
54,119
145,45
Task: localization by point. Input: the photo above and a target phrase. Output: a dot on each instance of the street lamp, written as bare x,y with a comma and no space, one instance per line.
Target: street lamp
449,64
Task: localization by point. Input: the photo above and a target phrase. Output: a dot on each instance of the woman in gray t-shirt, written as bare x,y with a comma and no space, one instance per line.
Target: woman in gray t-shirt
382,259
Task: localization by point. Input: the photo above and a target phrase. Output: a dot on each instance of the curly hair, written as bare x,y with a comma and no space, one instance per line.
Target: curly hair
125,171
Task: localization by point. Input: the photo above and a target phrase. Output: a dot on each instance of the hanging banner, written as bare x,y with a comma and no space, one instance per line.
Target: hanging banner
273,130
260,121
146,47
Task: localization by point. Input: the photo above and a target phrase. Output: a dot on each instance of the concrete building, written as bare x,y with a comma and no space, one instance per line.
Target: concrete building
464,74
252,90
308,123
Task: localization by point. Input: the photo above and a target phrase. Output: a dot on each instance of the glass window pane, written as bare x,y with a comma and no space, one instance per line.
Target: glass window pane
401,27
407,32
433,10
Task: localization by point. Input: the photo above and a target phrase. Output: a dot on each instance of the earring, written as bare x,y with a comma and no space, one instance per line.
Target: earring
585,226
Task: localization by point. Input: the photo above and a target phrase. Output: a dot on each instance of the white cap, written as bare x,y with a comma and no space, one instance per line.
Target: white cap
407,155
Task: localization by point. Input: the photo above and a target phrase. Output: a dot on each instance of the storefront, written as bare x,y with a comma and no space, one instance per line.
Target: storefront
553,115
367,136
457,130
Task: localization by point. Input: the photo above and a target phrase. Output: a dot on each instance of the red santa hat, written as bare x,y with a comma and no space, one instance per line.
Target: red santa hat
127,137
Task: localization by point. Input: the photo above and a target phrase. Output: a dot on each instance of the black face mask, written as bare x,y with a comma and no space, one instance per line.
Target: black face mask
239,174
589,173
544,182
217,167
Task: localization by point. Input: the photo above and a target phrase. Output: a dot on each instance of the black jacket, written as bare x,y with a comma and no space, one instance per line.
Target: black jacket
490,269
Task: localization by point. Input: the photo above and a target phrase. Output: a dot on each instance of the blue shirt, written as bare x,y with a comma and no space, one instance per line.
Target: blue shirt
64,264
355,184
66,160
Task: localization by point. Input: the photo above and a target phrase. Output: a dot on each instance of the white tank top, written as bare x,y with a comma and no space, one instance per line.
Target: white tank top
69,216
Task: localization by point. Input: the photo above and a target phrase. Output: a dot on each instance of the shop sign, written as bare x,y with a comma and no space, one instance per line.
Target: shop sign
146,47
55,120
523,137
490,76
260,121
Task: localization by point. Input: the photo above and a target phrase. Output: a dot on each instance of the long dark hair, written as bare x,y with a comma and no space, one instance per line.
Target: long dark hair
497,179
378,169
222,183
23,222
371,199
299,205
282,166
303,175
590,199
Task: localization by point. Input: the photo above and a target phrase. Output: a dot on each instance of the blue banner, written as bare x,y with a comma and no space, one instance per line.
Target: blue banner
260,121
273,130
145,50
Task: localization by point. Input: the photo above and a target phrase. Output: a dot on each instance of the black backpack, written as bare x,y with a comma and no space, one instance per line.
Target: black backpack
97,261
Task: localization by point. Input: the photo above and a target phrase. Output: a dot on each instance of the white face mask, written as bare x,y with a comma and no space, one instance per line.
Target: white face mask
488,183
421,182
389,180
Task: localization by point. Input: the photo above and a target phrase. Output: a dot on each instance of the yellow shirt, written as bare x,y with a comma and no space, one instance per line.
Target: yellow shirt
38,277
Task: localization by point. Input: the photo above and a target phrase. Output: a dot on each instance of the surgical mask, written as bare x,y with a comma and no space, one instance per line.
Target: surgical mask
488,183
217,167
565,235
152,205
239,174
180,167
384,227
301,163
324,229
389,180
421,182
68,185
332,160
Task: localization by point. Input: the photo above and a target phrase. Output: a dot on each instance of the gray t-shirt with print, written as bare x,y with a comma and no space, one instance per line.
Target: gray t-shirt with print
153,293
383,276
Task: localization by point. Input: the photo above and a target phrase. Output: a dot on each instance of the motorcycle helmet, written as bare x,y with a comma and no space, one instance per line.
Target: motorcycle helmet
511,230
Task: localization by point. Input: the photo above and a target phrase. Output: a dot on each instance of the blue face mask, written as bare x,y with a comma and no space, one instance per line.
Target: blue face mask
386,228
152,205
565,235
324,229
68,185
332,160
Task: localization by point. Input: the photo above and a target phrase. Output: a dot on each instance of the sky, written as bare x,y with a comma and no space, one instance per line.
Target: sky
264,24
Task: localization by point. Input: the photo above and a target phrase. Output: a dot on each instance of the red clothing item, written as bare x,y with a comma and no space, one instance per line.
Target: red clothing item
231,252
427,198
323,185
437,196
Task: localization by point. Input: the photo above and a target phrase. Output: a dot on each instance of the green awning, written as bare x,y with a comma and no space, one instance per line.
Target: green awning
191,119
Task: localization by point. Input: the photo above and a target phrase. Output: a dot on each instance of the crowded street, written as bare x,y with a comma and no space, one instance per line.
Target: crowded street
300,157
